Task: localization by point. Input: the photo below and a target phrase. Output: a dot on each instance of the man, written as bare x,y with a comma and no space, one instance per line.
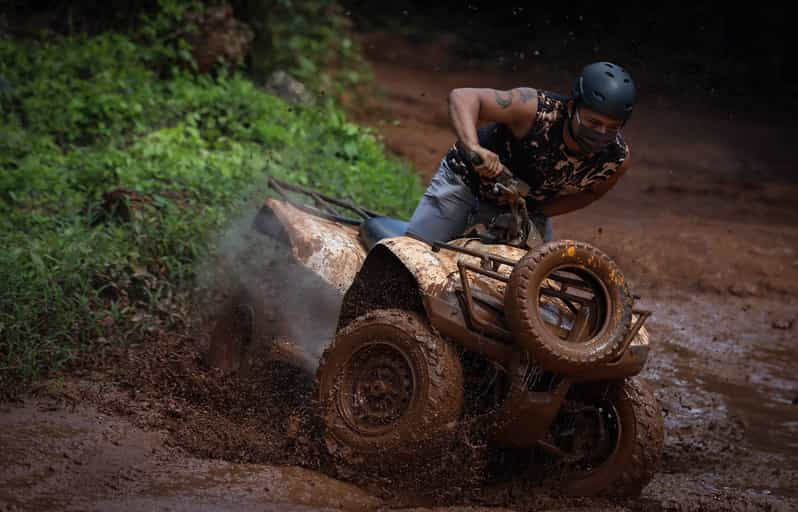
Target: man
568,149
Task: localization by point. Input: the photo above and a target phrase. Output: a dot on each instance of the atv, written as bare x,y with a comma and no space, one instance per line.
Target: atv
496,339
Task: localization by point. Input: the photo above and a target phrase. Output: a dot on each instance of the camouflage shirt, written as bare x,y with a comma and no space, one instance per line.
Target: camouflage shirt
540,157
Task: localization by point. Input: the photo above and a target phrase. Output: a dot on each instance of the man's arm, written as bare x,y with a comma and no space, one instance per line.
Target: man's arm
467,107
565,204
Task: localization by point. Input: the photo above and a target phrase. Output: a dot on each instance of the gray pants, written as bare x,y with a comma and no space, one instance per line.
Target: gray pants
449,206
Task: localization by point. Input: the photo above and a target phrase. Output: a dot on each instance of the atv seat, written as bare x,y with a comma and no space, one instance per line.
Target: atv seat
377,228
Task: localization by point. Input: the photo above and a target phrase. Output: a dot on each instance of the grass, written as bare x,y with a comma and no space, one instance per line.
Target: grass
83,116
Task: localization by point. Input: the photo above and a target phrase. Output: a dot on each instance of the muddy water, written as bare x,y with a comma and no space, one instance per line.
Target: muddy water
771,424
63,458
741,375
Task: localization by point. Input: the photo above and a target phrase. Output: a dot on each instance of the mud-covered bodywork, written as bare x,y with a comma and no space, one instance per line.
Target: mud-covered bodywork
330,249
437,271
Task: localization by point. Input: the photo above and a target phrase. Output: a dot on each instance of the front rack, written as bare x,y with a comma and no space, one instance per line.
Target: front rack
487,260
489,267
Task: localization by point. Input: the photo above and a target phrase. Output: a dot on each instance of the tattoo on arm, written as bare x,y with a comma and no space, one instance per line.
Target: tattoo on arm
527,94
502,101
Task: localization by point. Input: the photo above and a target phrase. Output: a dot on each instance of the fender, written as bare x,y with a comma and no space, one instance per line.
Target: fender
384,281
429,269
398,272
403,272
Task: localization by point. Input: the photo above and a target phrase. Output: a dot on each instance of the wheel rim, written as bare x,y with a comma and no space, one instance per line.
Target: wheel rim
376,389
573,304
588,434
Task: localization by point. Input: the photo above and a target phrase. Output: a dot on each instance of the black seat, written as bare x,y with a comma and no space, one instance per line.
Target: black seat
376,228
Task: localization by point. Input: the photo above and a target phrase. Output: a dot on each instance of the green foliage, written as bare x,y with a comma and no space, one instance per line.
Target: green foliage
82,117
79,90
309,40
164,33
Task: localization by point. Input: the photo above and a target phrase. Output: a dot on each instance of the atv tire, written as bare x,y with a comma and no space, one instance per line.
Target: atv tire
611,319
634,456
391,391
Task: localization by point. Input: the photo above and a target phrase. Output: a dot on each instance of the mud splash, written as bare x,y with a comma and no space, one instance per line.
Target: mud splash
257,292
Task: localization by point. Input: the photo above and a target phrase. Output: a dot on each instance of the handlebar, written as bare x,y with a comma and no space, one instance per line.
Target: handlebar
510,191
475,160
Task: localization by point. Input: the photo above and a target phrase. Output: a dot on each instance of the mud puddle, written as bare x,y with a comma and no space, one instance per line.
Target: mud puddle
770,416
77,458
731,420
155,427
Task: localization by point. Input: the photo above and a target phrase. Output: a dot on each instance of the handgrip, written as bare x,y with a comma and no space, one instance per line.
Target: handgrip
471,157
474,159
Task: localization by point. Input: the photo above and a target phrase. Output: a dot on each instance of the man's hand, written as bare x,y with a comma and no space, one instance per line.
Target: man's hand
485,162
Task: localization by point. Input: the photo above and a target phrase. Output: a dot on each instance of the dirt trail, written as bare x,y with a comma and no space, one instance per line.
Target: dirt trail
705,226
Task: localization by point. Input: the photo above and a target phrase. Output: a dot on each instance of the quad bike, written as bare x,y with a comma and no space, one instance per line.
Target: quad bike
527,347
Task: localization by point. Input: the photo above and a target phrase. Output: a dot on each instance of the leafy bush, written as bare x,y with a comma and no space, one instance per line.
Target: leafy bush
309,40
85,116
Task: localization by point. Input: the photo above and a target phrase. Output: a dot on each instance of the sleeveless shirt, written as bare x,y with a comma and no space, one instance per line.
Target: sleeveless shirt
540,157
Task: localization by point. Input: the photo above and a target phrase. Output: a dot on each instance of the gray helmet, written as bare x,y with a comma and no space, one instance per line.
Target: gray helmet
606,88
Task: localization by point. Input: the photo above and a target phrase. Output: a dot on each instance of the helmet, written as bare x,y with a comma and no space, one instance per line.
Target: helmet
606,88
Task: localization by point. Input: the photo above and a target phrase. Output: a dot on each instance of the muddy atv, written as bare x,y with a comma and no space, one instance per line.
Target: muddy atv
496,340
